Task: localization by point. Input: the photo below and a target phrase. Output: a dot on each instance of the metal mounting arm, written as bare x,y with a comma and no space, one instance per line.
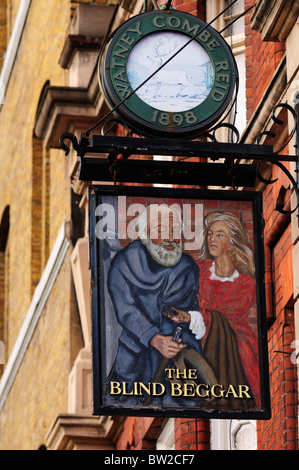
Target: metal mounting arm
214,163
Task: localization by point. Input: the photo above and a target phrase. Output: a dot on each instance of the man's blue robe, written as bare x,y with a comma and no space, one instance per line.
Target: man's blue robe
141,289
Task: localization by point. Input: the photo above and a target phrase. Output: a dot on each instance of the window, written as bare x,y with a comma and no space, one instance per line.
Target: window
40,210
235,37
4,285
231,14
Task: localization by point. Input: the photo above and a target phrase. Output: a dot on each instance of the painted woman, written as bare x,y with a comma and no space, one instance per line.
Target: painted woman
227,302
227,299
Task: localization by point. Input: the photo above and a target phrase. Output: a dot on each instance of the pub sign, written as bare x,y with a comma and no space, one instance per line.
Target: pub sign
168,74
178,306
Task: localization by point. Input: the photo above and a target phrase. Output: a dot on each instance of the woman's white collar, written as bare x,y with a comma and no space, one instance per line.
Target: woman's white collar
215,277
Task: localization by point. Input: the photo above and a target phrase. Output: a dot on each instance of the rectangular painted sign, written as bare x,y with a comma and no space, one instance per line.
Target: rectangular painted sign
178,304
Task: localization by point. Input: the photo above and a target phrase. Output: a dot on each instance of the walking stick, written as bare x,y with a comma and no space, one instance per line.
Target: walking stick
176,335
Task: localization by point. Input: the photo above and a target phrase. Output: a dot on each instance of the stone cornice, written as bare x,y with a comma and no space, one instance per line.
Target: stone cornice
75,432
76,42
63,106
270,98
274,19
60,106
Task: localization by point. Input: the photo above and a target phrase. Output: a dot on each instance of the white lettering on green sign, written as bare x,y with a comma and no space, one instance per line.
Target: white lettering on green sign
184,25
122,49
124,90
167,119
221,81
220,63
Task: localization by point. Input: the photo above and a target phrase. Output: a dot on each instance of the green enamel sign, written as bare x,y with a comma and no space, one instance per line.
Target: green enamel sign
169,73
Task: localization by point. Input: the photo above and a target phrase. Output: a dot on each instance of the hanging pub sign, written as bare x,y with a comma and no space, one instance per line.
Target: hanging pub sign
178,306
168,73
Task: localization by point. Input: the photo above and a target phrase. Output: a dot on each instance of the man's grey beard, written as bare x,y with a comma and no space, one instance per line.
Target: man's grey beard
162,256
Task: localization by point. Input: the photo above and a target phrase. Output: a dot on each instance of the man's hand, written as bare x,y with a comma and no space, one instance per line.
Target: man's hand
166,346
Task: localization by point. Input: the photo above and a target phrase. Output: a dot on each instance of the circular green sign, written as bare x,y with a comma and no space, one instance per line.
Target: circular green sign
169,73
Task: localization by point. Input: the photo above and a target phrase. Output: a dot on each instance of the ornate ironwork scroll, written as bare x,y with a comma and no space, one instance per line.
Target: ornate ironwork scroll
276,161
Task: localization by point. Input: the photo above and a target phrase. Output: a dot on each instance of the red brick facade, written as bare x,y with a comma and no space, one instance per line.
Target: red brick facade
280,432
262,58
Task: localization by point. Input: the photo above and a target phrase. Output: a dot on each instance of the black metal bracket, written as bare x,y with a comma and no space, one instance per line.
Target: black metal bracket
297,149
277,159
214,163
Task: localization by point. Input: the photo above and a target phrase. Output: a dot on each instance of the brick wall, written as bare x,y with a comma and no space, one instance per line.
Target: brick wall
195,7
262,58
139,433
280,432
39,203
192,434
40,388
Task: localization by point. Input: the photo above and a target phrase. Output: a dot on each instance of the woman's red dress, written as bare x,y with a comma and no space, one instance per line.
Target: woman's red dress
234,297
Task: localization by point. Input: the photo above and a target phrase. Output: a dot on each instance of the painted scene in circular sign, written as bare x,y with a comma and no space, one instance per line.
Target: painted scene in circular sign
182,84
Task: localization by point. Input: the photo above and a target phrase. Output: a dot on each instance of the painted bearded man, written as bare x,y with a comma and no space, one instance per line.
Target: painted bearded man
148,280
